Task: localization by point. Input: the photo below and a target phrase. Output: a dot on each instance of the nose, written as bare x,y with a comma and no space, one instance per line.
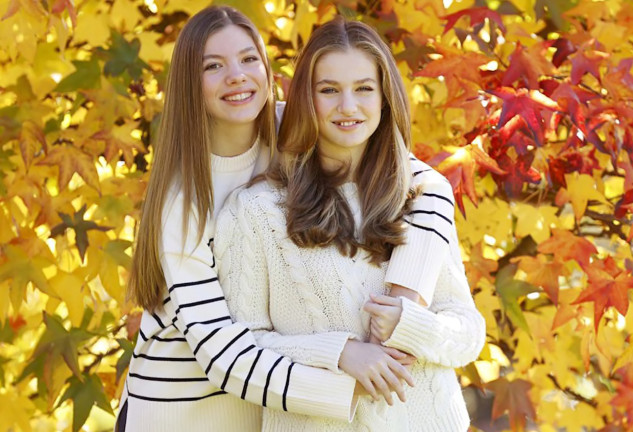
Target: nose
236,75
347,105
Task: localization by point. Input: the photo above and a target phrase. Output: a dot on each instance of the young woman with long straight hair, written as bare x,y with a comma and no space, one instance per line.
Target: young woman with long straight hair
217,132
304,249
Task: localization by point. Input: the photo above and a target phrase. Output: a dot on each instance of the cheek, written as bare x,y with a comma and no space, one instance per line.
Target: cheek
321,109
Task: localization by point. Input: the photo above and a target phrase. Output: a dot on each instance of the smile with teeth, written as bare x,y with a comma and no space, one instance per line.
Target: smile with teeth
238,97
347,123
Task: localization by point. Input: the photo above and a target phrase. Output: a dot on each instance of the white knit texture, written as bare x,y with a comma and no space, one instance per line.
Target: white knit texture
305,302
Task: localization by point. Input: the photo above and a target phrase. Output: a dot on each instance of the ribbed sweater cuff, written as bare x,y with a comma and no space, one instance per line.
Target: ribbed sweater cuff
326,350
322,393
416,265
414,329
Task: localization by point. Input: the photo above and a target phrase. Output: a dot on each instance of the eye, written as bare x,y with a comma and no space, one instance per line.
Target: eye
327,90
365,89
250,59
212,66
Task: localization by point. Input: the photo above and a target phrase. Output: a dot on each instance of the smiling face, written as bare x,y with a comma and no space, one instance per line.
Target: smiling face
347,97
234,80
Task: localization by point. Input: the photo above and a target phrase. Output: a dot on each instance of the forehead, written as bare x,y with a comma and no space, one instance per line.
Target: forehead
343,66
228,40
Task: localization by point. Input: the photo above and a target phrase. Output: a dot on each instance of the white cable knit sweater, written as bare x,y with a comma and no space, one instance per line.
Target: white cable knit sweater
307,302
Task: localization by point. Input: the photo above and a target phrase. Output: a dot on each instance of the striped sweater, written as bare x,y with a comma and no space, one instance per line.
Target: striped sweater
190,354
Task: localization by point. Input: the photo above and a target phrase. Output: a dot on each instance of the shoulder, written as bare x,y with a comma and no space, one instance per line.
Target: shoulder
260,198
430,180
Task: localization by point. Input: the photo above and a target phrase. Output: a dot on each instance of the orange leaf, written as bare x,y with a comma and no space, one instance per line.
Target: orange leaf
69,159
512,396
566,246
478,266
608,286
543,273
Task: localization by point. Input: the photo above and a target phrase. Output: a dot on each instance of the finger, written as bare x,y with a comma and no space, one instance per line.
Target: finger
402,372
383,388
395,385
369,386
373,308
394,353
385,300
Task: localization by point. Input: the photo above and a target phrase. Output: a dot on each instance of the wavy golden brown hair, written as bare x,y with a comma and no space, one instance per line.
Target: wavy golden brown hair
183,148
318,214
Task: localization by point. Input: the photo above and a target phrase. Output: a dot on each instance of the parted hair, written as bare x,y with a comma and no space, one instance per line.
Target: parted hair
318,214
182,152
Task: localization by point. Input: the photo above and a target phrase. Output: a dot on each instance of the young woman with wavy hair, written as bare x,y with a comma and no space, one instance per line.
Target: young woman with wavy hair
217,132
305,248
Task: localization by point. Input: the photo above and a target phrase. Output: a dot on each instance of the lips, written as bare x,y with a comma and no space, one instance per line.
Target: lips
347,123
238,97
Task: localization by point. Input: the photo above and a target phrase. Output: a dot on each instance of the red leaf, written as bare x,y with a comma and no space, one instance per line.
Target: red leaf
586,61
527,66
512,396
564,48
566,246
525,103
608,286
476,16
454,64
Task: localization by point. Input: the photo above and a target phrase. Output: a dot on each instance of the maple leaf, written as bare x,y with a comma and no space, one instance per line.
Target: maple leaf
564,47
624,391
566,246
122,56
455,64
119,141
541,272
513,397
509,291
22,269
528,66
608,285
60,5
124,361
478,267
32,140
580,189
416,52
476,16
81,227
586,61
573,100
85,393
70,159
525,103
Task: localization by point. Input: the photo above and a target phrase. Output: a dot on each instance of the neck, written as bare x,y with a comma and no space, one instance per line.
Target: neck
232,140
351,158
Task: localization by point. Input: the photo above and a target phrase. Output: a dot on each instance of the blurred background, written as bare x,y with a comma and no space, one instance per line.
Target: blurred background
526,106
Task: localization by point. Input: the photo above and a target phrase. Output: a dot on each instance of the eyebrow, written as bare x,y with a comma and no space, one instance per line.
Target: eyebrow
332,82
243,51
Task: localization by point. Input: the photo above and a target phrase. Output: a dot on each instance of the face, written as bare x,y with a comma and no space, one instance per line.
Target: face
348,98
234,80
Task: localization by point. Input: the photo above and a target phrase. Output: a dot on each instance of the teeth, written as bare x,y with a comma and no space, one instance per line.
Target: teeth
347,123
238,97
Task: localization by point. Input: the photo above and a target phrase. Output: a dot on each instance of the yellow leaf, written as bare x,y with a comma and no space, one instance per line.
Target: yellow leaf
92,27
304,20
69,288
535,221
582,188
15,410
5,301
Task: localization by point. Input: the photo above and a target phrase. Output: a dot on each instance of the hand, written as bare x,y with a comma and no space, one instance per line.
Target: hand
385,314
403,358
376,368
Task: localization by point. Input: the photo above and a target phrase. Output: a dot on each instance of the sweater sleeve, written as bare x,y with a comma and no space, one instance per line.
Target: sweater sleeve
416,264
228,351
451,332
244,275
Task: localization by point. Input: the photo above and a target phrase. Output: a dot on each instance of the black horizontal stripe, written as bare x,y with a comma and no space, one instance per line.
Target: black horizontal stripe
167,300
160,339
228,371
427,229
170,359
186,284
168,379
270,374
206,338
210,241
422,171
198,303
211,321
160,323
206,371
440,197
250,373
283,399
432,213
188,399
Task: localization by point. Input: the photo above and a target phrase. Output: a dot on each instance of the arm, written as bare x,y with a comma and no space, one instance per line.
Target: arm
243,247
228,351
416,264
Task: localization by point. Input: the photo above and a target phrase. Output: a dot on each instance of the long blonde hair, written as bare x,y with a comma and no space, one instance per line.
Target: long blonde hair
183,147
318,214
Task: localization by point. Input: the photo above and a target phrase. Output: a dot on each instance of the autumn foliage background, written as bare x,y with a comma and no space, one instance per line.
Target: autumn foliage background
525,105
